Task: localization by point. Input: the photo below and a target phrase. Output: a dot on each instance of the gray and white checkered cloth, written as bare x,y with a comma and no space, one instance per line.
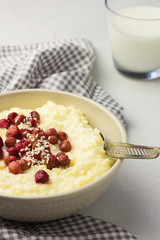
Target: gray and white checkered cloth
76,227
64,65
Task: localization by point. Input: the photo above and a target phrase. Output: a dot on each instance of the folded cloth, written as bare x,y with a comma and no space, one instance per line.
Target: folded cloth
64,65
76,227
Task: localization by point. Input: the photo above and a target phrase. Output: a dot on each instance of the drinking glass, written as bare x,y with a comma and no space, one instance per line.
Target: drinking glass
134,32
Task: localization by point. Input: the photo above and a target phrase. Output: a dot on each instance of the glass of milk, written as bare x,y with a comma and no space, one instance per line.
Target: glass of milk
134,30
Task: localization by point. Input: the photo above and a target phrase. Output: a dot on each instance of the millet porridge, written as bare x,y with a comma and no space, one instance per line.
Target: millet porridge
49,150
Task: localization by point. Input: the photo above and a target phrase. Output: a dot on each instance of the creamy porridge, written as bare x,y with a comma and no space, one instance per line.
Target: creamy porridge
48,150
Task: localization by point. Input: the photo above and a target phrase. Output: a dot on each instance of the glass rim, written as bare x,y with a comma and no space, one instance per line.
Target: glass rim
131,18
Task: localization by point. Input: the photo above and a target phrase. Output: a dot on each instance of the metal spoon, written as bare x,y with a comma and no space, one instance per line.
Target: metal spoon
125,150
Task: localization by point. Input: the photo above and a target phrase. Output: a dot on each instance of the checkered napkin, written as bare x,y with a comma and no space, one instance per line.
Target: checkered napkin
63,65
76,227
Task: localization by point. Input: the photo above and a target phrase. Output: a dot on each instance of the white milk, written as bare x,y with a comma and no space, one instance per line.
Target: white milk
136,43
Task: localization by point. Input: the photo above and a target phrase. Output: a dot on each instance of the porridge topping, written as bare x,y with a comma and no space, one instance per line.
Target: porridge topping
30,145
62,136
11,117
18,119
14,167
41,176
4,123
9,159
65,146
10,142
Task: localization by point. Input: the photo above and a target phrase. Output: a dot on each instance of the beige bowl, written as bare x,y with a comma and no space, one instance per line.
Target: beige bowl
45,208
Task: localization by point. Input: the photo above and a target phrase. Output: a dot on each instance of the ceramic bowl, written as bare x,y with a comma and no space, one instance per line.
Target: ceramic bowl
46,208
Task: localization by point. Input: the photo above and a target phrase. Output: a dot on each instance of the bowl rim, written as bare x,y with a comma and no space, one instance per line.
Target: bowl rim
88,185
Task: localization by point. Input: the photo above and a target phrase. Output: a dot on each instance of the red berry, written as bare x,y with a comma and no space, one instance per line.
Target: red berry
62,136
38,131
11,117
13,132
37,155
24,131
1,142
9,159
50,132
1,153
41,177
32,138
25,164
65,146
35,114
32,122
24,143
63,159
10,142
18,119
4,123
12,151
53,139
52,162
21,146
14,167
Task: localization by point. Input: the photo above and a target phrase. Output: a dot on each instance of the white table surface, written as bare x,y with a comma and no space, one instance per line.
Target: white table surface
133,200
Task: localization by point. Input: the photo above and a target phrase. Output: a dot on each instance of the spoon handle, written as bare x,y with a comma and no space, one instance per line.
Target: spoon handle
125,150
